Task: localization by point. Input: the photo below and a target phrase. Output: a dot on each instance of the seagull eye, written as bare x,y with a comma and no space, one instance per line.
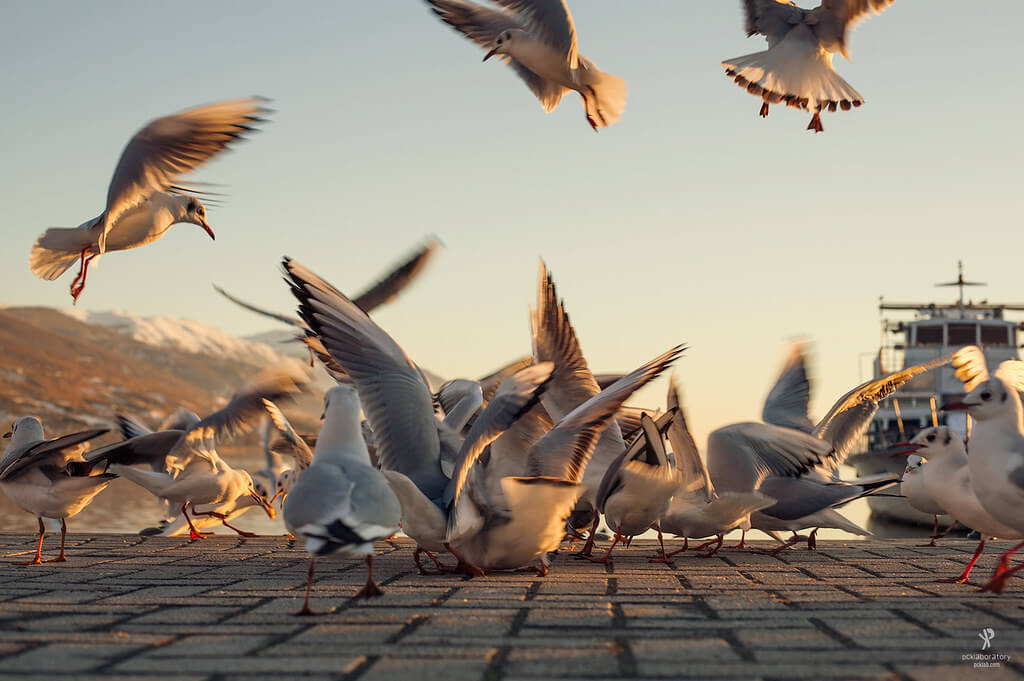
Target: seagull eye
931,438
986,395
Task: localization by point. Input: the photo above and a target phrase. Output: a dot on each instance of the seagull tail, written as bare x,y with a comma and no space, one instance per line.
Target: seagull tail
604,95
58,249
794,72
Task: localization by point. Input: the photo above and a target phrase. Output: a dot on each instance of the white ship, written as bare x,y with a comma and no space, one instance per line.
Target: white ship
913,333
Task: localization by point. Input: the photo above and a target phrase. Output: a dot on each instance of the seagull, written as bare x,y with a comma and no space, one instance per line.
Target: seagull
538,503
797,463
996,463
947,480
638,486
537,38
417,453
185,468
797,66
698,510
48,478
912,486
292,443
144,198
341,502
555,340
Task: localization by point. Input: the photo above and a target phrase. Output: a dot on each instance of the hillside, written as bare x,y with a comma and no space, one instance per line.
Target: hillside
73,375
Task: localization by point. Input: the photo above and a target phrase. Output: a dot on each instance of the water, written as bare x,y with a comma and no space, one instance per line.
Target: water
126,508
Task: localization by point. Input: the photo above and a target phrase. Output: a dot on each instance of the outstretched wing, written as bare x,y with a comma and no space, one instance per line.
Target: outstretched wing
834,19
388,288
173,145
771,18
787,403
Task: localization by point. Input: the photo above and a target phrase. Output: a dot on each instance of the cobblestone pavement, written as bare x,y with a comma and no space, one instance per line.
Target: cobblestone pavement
130,608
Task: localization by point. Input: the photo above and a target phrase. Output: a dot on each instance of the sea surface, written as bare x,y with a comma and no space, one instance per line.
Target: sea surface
126,508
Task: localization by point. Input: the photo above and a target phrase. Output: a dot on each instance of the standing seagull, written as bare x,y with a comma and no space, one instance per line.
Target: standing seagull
537,38
341,501
48,478
797,66
144,198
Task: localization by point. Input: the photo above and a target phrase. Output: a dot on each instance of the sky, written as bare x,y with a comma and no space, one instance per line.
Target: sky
691,220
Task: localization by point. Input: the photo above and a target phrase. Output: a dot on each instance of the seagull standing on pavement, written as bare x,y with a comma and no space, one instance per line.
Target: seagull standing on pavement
797,66
144,198
341,502
537,38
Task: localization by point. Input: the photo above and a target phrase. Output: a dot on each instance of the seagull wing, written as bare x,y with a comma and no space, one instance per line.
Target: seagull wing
787,403
395,397
550,22
173,145
36,452
771,18
297,447
851,415
388,288
834,19
563,452
291,321
688,459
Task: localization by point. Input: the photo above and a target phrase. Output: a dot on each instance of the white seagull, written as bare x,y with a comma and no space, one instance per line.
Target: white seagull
48,478
947,480
797,66
537,38
996,463
913,488
144,198
341,501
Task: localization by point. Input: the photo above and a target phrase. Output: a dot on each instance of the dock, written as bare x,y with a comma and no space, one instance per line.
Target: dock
127,607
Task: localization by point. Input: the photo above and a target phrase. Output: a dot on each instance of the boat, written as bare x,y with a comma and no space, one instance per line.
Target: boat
913,333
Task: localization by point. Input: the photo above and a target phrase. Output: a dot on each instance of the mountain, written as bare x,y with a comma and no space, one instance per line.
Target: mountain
73,374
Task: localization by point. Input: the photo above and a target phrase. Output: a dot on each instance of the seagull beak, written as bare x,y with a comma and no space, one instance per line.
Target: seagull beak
274,498
263,503
956,405
901,448
491,54
7,435
206,226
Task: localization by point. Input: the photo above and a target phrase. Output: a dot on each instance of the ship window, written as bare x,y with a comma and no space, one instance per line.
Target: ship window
994,335
962,334
929,335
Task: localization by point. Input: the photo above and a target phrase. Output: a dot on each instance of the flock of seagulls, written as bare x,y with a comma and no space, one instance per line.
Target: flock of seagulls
500,472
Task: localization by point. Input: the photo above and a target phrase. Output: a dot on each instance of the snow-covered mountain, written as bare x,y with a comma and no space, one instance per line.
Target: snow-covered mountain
186,335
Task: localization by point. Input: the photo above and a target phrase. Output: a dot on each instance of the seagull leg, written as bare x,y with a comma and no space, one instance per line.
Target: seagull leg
811,543
464,567
416,558
743,537
38,560
309,582
370,589
1001,574
946,531
764,110
718,545
588,547
193,533
935,531
604,558
779,549
967,570
664,557
63,534
78,284
224,521
815,123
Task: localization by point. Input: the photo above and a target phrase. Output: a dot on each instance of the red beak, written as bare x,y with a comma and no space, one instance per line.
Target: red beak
490,54
902,448
955,405
206,226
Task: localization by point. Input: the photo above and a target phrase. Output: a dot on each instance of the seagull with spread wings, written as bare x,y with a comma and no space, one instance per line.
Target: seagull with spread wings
537,38
797,66
145,198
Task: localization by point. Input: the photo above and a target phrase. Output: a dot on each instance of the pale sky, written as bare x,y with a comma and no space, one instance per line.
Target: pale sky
690,220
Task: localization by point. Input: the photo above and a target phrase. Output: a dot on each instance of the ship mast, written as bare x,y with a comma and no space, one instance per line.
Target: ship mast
960,283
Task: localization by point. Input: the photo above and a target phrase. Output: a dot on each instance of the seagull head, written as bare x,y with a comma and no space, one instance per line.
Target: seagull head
937,441
258,498
503,43
988,399
195,213
25,429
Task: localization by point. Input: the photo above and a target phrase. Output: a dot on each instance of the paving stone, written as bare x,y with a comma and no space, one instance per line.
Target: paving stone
127,608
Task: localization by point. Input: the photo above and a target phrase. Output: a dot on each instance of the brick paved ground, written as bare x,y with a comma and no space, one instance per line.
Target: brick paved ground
124,607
